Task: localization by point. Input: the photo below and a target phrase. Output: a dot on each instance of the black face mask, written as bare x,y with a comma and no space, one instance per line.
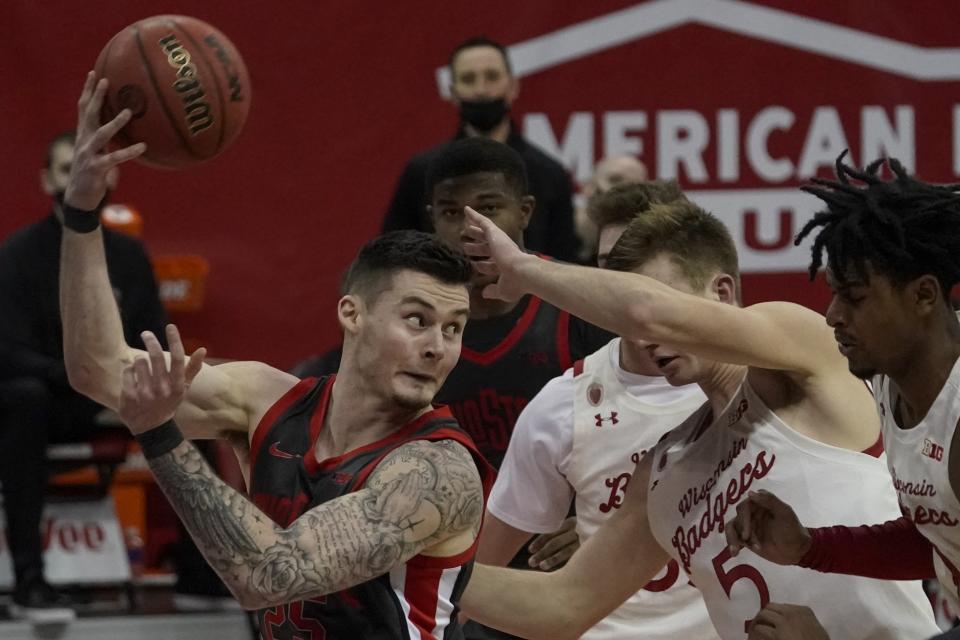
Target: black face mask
483,115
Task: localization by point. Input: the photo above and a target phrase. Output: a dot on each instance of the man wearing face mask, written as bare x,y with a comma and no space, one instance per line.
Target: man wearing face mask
484,89
37,405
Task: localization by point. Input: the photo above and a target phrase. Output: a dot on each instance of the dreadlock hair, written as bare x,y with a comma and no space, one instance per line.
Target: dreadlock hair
903,228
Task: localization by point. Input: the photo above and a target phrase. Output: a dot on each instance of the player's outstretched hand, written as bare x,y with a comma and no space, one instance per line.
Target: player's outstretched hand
495,254
152,390
786,622
767,526
552,550
91,161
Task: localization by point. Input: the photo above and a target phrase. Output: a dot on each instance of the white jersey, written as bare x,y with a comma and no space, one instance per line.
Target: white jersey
918,459
581,437
705,467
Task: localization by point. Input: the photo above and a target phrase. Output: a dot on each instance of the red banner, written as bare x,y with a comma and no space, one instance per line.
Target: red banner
742,101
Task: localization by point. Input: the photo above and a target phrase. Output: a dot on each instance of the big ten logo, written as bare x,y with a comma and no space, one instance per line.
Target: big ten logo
932,450
73,536
734,417
618,486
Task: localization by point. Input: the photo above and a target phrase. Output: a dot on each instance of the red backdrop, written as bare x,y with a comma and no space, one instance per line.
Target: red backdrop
343,93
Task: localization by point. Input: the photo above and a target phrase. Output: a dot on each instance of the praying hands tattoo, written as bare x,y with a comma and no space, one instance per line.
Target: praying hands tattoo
420,494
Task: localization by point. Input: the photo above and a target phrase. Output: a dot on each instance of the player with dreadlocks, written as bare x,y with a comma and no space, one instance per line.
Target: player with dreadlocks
893,255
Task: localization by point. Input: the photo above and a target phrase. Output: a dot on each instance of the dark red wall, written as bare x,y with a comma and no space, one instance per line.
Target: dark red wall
343,93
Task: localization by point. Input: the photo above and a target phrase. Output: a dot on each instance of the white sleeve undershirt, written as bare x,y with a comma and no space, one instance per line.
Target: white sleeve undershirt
531,492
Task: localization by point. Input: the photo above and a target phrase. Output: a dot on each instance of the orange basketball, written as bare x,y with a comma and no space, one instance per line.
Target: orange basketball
185,84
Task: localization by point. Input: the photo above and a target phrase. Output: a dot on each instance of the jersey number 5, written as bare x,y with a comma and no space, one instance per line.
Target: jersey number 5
740,572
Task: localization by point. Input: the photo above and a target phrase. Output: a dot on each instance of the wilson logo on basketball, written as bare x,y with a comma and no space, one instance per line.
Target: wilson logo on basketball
195,108
229,67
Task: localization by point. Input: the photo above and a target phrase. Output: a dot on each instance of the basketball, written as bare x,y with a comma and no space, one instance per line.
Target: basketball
185,84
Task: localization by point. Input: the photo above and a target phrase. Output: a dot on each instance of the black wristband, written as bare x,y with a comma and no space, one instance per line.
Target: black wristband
79,220
160,440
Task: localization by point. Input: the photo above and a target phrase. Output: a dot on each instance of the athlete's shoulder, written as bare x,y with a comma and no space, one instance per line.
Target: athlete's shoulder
555,397
443,472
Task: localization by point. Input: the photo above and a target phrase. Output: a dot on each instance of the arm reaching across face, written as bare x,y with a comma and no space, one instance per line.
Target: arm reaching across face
422,494
635,306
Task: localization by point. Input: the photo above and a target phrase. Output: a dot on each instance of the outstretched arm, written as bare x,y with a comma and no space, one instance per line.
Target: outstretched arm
638,307
893,550
222,399
421,495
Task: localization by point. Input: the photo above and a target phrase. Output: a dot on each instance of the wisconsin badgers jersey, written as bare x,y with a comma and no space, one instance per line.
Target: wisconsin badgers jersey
612,428
706,466
416,600
579,439
918,461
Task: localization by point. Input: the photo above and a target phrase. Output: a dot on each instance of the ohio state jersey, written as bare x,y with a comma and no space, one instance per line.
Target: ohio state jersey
700,472
505,361
415,600
918,459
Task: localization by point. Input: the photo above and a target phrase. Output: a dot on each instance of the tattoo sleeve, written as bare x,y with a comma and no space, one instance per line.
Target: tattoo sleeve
421,494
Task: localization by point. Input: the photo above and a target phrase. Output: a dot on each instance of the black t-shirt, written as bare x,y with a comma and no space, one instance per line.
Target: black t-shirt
31,335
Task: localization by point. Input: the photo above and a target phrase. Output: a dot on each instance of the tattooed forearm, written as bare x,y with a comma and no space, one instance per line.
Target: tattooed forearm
260,562
421,494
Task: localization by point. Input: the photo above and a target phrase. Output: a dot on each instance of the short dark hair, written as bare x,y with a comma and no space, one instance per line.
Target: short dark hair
473,155
903,228
623,202
480,41
697,241
371,272
62,137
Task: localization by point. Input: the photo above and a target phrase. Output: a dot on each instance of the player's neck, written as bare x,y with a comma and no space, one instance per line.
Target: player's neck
358,416
922,377
721,383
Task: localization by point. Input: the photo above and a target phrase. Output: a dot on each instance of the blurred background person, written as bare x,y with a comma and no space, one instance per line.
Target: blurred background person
484,89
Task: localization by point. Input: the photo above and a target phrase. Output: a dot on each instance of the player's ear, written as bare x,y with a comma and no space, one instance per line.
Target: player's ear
926,294
46,183
724,288
527,206
349,313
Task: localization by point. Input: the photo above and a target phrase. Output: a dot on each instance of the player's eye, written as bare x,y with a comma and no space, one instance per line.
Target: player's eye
453,329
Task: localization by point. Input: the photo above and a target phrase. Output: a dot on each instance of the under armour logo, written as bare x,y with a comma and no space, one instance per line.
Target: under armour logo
612,418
